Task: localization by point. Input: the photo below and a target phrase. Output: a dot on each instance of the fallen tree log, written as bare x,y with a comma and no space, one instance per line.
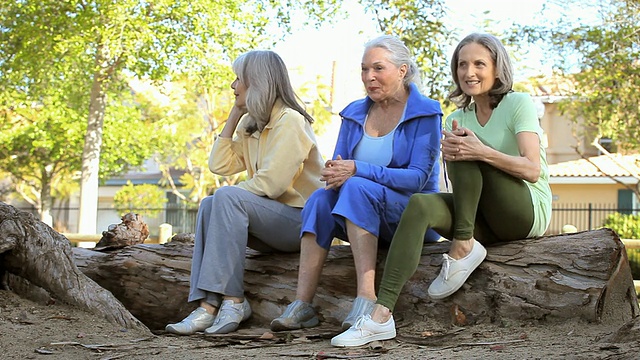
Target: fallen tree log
31,250
583,275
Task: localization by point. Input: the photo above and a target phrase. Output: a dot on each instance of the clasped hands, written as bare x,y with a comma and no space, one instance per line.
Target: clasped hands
460,144
336,172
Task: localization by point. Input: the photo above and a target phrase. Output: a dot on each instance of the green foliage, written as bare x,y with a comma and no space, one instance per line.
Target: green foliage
317,98
145,199
601,60
41,145
80,55
626,226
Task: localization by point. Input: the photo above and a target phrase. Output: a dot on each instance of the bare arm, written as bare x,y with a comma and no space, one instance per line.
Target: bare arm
232,122
461,144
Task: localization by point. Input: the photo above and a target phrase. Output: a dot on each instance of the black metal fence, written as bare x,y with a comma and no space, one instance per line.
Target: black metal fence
584,216
182,218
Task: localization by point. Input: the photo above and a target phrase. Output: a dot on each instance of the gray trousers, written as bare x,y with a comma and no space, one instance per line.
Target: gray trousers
228,221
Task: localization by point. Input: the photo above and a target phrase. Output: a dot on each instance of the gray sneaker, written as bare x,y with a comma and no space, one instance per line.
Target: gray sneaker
229,317
298,315
198,320
360,307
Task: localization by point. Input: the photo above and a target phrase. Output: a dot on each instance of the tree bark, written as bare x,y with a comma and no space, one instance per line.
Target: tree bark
583,275
33,251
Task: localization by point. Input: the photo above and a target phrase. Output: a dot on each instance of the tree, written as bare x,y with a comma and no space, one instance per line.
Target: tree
42,145
91,44
600,58
144,199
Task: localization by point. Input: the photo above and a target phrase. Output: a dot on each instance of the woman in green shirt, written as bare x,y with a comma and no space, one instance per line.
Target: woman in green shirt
497,165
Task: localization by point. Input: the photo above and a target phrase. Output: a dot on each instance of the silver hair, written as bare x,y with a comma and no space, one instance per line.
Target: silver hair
501,61
266,77
399,55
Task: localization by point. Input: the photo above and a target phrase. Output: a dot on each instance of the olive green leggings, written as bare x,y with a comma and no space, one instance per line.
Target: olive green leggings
487,204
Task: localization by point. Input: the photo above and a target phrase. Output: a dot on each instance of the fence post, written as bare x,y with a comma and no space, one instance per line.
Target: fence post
164,234
590,215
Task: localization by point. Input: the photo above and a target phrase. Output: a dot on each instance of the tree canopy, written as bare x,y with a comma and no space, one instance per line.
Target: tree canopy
86,47
600,60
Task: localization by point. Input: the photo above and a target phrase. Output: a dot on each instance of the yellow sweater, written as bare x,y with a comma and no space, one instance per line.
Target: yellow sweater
283,161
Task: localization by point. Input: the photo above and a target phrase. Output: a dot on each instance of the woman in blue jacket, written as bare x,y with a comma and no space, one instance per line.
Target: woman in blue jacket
387,150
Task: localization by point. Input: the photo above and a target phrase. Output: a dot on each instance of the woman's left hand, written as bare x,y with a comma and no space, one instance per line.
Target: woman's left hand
461,144
336,172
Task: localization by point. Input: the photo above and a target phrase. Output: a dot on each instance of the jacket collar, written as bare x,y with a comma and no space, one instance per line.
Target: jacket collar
417,106
277,110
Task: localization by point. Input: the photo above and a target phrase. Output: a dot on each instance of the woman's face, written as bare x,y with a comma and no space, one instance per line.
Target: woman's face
240,92
381,78
476,70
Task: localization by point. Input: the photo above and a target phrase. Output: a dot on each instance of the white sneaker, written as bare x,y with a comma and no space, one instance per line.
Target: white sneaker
229,317
198,320
364,331
454,272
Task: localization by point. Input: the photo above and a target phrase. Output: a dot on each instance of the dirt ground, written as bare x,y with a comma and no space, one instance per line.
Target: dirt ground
30,330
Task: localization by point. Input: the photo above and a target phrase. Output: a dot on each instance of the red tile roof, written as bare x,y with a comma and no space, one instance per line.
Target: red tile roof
598,166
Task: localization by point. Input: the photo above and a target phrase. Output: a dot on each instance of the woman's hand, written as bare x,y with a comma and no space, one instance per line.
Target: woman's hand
461,144
232,121
336,172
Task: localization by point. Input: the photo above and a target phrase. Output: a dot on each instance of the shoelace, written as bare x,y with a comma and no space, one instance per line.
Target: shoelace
360,322
445,266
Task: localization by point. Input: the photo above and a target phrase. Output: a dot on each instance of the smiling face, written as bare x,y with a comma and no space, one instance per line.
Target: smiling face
476,70
240,92
381,78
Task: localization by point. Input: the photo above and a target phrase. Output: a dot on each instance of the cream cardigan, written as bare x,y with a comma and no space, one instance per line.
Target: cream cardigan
283,161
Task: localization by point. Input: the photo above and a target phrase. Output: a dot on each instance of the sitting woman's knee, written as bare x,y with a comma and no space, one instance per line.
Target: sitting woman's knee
226,195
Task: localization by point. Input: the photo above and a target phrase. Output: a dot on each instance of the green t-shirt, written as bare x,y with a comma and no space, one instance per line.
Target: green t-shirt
515,113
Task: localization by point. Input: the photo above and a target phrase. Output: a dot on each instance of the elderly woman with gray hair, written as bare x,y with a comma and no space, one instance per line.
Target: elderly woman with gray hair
387,149
275,144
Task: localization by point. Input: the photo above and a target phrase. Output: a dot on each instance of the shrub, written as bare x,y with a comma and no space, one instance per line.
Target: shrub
146,199
627,227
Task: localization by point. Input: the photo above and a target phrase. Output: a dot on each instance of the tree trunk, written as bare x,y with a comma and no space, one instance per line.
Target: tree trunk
92,146
33,251
582,275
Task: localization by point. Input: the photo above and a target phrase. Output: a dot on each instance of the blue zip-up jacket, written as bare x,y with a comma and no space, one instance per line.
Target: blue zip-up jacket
414,166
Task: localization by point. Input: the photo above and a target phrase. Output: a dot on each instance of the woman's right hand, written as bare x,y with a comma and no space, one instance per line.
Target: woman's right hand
336,172
232,121
235,114
461,144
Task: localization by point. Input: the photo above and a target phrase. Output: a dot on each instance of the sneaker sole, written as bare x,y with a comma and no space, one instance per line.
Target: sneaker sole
454,289
225,329
172,330
363,341
278,326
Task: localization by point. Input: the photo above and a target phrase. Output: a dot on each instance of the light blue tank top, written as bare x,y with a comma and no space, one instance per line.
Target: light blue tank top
376,150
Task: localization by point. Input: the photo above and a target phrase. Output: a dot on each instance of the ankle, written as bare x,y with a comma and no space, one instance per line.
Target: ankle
211,310
368,297
380,314
461,248
236,300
